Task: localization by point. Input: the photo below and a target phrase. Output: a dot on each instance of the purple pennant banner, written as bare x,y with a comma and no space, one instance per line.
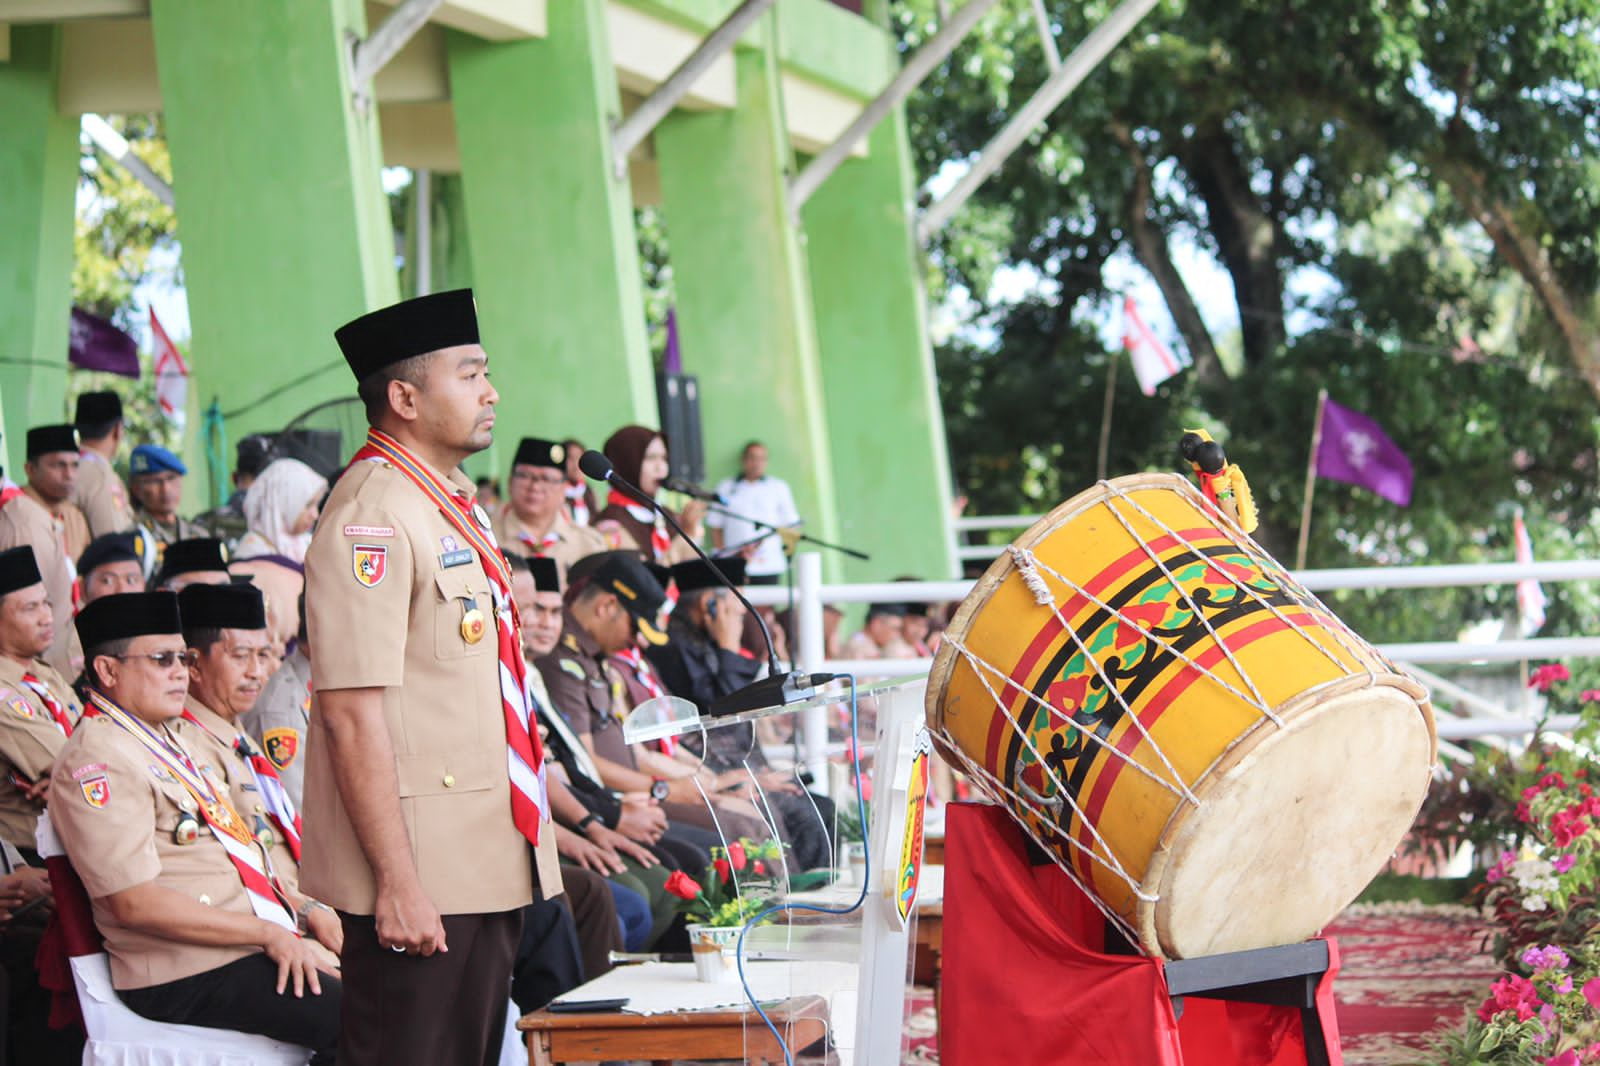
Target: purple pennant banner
98,345
1355,449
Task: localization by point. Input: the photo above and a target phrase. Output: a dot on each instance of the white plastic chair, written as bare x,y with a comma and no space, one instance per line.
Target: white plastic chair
119,1037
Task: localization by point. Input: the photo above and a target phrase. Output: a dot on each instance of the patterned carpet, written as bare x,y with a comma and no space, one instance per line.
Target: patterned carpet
1408,970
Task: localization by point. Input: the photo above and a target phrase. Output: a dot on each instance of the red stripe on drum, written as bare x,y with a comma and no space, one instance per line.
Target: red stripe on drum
1100,787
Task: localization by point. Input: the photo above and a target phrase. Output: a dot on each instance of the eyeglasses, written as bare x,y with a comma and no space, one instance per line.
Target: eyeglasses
537,479
164,660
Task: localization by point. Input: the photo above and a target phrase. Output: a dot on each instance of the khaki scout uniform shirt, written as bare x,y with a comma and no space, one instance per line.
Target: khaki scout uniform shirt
277,723
572,541
114,806
101,496
388,581
24,522
70,523
30,740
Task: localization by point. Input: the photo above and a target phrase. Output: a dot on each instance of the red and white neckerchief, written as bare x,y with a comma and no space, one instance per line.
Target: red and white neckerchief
267,898
577,494
51,704
660,537
530,804
634,663
544,545
279,806
8,490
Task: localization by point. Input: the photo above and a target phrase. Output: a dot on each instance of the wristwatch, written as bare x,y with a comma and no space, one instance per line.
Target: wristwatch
659,789
304,913
587,820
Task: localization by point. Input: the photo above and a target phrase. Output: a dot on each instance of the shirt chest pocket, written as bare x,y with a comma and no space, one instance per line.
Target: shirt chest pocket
463,623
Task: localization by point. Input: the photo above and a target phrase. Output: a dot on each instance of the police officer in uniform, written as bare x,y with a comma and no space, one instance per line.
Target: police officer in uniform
534,521
421,793
99,493
155,477
38,709
200,927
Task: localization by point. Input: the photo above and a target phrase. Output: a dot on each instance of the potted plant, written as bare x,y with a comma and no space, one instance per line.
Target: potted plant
719,905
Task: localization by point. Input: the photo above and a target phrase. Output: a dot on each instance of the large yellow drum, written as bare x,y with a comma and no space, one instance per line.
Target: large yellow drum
1191,734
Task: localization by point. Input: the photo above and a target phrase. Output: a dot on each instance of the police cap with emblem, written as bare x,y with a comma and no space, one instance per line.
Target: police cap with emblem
195,555
154,459
96,409
127,615
409,328
532,451
111,548
624,575
222,607
18,569
695,575
42,440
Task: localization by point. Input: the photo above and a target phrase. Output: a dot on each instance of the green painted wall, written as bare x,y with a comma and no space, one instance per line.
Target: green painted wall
284,225
882,400
555,261
38,175
744,301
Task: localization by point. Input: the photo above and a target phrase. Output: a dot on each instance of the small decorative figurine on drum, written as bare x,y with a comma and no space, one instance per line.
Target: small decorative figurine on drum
1204,747
1222,482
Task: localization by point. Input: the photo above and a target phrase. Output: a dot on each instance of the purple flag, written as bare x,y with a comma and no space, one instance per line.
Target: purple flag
672,358
96,344
1355,449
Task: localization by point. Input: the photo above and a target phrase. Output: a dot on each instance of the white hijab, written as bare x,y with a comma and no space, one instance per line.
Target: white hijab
272,503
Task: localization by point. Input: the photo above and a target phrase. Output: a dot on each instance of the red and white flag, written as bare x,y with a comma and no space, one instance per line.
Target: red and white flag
172,373
1153,362
1530,597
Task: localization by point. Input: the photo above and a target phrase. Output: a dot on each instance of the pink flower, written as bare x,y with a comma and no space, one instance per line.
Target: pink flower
1517,994
1590,695
1591,992
1566,1058
1548,675
1563,863
1499,869
1552,781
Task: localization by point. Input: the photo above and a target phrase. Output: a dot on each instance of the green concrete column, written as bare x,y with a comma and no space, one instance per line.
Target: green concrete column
38,173
744,300
555,262
281,212
883,408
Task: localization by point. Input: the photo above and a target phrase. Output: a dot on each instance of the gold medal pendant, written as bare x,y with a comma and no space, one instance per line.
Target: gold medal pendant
473,625
187,830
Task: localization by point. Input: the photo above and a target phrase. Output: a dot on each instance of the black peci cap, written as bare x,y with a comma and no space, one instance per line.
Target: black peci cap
409,328
546,573
96,409
695,574
222,607
42,440
533,451
18,569
191,556
111,548
128,614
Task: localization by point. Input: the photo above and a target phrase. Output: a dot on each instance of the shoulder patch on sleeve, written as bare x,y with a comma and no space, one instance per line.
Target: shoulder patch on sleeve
570,666
569,642
282,745
96,790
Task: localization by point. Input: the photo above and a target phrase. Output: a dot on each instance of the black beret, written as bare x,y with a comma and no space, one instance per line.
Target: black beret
42,440
18,569
695,574
97,408
624,575
128,614
222,607
546,573
189,556
533,451
896,609
411,327
112,548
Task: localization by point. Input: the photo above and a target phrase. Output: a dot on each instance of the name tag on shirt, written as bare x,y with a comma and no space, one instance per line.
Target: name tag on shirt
460,557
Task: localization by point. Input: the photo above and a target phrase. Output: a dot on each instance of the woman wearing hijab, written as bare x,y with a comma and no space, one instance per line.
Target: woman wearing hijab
280,508
639,455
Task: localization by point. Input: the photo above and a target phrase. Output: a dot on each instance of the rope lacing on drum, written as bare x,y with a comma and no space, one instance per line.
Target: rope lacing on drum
1179,789
997,792
1023,560
1357,649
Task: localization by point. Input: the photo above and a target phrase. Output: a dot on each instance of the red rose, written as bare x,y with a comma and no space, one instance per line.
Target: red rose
682,885
736,855
724,871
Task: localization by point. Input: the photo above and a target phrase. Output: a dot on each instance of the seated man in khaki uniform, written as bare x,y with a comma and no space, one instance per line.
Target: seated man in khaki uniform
112,564
38,709
534,520
278,722
200,928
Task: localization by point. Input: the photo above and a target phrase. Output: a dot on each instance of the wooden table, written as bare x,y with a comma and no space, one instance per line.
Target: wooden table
665,1038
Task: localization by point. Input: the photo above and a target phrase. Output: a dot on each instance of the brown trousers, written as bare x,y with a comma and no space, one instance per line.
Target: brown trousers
448,1009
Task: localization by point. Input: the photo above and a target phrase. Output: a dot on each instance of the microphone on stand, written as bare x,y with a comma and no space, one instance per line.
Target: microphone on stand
690,489
777,689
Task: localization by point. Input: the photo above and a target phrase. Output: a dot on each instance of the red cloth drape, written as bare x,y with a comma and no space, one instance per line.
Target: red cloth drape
1026,981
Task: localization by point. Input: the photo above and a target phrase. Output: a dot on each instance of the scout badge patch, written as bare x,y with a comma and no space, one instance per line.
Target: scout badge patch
282,746
370,562
97,790
21,707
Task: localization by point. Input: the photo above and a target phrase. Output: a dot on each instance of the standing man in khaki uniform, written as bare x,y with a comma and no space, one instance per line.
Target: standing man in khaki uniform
24,523
200,927
534,521
423,774
99,493
52,469
38,709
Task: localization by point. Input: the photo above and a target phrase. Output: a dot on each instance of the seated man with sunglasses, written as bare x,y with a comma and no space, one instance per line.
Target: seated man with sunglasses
199,925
